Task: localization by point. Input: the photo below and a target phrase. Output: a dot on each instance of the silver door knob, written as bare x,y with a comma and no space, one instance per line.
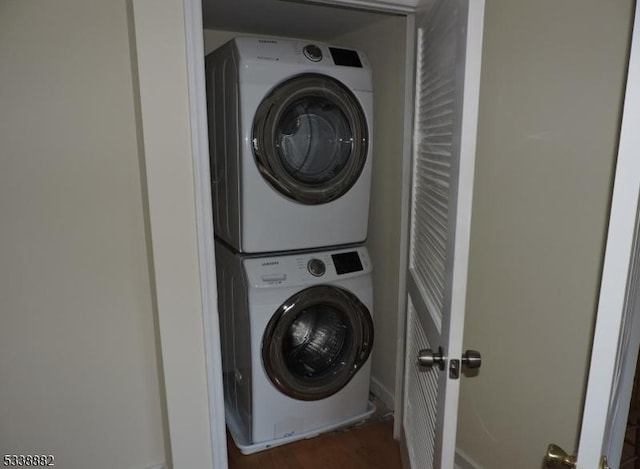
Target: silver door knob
427,359
472,359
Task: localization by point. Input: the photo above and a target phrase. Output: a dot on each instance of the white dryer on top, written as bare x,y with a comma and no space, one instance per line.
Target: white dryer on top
290,144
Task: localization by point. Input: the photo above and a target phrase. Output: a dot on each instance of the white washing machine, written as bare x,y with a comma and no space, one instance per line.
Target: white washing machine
290,144
297,333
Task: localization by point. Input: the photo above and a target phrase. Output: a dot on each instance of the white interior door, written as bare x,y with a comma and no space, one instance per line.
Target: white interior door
615,346
448,49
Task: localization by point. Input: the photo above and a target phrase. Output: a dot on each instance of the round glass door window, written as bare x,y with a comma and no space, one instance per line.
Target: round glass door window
310,139
316,342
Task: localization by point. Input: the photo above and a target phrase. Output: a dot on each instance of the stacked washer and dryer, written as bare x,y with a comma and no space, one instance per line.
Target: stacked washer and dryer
290,147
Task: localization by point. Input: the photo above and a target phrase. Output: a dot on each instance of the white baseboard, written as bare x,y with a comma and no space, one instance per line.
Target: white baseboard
463,461
382,393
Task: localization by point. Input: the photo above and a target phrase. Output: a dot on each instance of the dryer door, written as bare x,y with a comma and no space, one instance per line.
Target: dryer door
310,139
316,342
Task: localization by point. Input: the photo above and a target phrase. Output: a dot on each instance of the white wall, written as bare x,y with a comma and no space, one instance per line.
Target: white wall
78,359
550,102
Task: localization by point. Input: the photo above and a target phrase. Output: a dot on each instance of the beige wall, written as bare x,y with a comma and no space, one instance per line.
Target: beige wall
77,350
383,42
215,38
550,103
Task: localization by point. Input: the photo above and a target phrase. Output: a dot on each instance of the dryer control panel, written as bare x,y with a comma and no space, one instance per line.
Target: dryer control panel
286,51
307,268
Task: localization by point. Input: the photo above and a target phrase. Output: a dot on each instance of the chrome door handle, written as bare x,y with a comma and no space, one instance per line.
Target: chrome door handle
472,359
427,359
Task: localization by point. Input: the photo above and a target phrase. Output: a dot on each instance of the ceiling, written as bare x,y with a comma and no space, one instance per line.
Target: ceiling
285,18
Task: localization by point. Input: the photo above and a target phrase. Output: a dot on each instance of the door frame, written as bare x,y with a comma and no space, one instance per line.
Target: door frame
168,73
405,220
177,409
616,272
194,39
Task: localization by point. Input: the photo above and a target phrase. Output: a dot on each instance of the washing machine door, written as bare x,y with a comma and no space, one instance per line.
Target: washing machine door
316,342
310,138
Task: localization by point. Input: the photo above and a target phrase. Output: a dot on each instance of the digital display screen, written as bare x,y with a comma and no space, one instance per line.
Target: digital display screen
347,262
346,57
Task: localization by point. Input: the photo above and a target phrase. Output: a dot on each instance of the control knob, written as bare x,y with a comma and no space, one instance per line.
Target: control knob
316,267
312,52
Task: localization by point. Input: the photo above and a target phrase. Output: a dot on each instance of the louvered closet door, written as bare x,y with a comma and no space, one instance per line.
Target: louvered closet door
449,36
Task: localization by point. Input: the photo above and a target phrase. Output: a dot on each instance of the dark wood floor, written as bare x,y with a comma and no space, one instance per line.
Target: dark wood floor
370,446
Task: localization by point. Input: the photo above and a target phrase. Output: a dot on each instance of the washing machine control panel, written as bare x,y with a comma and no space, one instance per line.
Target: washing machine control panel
307,268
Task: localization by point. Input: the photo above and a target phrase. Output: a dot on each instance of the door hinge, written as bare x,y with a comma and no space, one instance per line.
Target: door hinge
603,463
